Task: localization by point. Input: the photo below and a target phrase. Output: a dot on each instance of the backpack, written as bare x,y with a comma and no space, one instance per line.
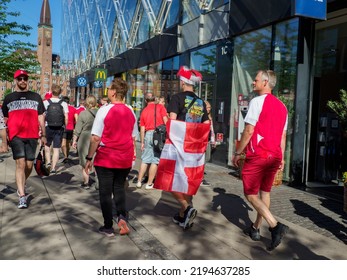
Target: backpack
55,116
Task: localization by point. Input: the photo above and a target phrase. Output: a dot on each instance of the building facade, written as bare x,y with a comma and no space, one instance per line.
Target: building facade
145,42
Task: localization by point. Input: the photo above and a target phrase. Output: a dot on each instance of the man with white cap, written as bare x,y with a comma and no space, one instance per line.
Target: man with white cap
23,113
187,106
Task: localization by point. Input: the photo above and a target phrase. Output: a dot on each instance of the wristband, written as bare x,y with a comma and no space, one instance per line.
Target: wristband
237,154
89,158
43,136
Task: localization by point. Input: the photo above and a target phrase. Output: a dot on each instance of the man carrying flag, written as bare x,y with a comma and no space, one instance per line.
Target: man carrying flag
181,165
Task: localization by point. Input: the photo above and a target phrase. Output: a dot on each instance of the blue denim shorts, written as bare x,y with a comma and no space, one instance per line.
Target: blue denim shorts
148,155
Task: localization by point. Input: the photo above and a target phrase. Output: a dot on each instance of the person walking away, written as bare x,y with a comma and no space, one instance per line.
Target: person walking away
103,101
212,141
264,138
112,143
152,115
81,138
186,106
56,120
23,114
80,108
68,132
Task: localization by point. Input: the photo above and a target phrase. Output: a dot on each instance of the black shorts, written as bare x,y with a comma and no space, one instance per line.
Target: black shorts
24,148
55,136
68,135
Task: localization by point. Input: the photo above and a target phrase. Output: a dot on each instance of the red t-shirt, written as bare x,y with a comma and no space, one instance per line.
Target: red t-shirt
22,110
115,125
269,117
71,121
79,109
147,116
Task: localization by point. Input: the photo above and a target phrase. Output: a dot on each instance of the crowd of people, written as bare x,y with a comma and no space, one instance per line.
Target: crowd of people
104,137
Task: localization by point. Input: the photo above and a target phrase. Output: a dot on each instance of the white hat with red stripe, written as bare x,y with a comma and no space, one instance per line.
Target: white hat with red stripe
189,76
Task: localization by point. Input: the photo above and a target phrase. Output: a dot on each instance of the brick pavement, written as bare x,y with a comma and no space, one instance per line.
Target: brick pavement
311,211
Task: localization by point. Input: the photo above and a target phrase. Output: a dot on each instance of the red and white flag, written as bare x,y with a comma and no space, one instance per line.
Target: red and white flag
181,165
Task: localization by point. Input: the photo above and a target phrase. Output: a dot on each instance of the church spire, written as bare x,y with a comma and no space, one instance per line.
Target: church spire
45,16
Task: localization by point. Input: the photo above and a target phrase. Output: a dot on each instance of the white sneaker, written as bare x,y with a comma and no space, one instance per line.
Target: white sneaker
149,186
138,185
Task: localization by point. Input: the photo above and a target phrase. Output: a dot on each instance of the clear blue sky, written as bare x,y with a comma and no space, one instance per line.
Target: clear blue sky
30,15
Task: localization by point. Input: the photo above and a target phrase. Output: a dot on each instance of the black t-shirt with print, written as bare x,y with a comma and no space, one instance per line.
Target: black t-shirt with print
180,101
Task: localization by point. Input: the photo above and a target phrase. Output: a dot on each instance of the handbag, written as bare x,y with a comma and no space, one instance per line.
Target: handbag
159,134
39,163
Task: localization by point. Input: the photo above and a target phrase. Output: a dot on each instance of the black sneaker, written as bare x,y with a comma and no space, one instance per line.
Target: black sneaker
177,219
144,180
135,180
277,234
253,233
85,186
107,231
189,216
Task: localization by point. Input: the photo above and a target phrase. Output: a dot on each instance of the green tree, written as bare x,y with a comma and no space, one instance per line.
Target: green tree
14,54
340,107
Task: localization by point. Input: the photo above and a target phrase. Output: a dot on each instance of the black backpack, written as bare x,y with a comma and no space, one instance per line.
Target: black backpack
55,116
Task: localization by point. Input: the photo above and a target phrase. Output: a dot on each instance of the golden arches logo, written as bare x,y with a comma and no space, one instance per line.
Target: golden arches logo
100,74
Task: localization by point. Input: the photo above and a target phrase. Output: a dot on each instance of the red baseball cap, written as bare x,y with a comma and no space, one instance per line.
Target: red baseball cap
20,73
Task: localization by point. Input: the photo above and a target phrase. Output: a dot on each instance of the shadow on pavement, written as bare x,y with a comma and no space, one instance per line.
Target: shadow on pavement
232,206
320,219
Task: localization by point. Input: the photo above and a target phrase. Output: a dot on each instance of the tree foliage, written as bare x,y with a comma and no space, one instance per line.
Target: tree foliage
14,54
340,107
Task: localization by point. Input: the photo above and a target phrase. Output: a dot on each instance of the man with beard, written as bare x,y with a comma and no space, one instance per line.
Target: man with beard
23,113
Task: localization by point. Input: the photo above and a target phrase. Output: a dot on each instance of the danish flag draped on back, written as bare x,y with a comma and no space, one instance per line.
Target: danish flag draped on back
181,165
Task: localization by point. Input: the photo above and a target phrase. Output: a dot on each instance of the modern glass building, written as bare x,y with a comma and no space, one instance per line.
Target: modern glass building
146,41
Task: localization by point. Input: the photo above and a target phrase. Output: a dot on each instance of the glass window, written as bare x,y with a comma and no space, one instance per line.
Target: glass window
252,51
191,10
173,15
169,82
285,45
204,60
271,46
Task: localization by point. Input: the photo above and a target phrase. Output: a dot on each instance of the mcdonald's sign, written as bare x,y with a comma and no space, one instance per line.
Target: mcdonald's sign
100,74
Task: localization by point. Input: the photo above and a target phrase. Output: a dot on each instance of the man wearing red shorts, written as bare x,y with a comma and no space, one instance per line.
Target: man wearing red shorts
263,139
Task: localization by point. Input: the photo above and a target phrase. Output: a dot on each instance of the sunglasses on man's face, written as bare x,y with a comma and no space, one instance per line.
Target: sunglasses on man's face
22,79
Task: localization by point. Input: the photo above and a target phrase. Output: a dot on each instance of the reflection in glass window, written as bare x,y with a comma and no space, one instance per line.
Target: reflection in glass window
285,45
191,10
173,15
252,51
204,60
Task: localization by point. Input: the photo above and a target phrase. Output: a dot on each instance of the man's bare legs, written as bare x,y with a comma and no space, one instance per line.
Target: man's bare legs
184,200
143,169
65,147
151,173
187,213
55,156
23,171
261,203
